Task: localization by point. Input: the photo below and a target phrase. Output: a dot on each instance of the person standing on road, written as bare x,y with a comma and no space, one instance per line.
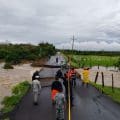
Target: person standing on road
57,60
60,105
36,87
49,57
36,73
73,77
59,74
65,83
55,87
86,74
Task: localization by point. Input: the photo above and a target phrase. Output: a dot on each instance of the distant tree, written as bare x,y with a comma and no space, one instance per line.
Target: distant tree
15,53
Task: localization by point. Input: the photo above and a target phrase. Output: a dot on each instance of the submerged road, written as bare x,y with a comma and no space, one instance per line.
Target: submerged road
89,104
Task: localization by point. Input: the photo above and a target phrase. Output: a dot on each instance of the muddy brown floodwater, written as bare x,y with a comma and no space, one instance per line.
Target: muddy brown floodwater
9,78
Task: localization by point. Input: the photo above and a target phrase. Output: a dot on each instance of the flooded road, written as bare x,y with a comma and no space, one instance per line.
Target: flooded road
89,104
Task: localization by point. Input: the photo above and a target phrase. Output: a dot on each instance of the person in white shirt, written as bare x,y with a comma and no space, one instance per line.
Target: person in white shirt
36,87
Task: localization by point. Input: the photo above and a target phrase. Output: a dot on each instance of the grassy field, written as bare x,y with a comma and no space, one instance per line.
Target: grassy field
115,95
93,60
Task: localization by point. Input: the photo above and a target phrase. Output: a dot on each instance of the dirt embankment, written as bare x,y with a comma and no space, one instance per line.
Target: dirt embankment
9,78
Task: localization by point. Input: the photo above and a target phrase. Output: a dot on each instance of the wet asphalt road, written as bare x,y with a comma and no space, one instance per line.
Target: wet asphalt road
89,104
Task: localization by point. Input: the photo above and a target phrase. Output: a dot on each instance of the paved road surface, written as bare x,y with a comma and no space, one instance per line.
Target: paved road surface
89,104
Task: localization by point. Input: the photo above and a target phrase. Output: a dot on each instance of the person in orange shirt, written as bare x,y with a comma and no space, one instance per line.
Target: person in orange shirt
55,88
53,94
73,77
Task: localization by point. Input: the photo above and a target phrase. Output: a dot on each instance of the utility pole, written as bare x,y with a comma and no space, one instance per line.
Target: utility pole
73,39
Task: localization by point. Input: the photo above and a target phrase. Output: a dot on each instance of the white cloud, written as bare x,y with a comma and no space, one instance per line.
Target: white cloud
57,20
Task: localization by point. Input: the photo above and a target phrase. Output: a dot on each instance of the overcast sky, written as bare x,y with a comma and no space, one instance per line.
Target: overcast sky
95,23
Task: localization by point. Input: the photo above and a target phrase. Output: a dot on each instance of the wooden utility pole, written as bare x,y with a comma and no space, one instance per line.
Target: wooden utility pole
73,40
73,43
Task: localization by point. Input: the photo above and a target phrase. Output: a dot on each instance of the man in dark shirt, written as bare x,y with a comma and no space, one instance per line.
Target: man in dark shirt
59,74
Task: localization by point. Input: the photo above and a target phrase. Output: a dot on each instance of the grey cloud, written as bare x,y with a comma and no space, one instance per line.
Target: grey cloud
56,21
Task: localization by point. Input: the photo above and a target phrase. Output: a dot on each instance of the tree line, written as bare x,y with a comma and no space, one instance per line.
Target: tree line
101,53
15,53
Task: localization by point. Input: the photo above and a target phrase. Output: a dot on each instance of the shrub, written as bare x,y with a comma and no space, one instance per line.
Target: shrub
31,57
13,58
21,88
8,66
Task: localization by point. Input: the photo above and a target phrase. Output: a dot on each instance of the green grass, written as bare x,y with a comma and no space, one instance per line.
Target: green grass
93,60
9,102
115,95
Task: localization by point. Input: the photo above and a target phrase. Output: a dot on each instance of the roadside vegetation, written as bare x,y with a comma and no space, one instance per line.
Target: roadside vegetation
90,58
100,53
15,54
18,91
113,93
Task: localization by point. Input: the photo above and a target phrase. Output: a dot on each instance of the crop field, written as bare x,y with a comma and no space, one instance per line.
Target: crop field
93,60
